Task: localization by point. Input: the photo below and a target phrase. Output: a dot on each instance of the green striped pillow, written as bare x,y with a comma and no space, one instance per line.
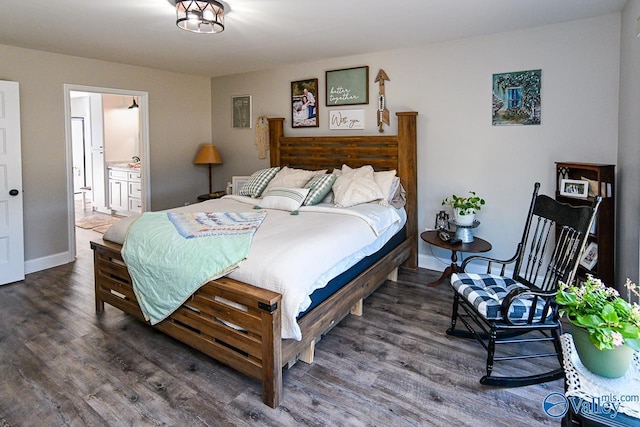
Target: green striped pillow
319,187
258,181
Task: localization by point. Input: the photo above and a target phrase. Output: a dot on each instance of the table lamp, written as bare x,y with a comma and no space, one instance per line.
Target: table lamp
208,155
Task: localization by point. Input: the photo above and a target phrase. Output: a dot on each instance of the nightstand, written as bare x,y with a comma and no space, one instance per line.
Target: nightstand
214,195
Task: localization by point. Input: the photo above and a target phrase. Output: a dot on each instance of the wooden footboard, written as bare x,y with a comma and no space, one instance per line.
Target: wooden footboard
202,322
256,348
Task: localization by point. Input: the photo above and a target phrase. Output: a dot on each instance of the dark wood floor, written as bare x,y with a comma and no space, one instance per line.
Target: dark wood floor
60,364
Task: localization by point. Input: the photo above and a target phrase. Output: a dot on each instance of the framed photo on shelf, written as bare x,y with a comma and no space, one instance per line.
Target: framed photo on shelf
304,105
349,86
589,258
574,188
241,112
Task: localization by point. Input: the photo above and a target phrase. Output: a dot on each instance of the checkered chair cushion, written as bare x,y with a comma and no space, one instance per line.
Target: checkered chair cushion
486,292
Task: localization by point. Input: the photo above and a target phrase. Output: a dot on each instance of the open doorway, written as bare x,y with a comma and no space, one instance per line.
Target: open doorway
107,157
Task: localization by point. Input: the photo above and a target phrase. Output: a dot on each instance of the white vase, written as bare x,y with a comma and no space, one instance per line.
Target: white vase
464,219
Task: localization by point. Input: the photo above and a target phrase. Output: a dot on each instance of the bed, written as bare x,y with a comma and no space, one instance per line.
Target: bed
256,348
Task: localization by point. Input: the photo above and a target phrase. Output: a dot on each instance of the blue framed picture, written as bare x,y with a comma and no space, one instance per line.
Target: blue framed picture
516,98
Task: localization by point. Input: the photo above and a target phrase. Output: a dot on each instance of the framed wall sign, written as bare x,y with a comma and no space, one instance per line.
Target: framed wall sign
241,112
349,86
346,119
304,108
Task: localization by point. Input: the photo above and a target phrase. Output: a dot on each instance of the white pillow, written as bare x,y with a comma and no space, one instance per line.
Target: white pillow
386,180
284,199
290,178
356,186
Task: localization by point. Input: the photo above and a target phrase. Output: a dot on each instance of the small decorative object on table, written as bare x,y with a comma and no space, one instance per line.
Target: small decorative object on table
211,196
464,232
605,327
464,212
442,221
464,208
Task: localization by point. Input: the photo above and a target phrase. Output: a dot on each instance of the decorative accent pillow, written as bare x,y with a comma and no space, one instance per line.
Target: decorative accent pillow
258,181
319,187
385,180
290,178
356,186
284,199
399,197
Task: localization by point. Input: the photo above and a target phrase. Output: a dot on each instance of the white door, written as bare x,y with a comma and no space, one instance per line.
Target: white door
11,228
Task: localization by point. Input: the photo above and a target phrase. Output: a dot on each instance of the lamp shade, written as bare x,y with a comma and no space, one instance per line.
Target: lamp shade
208,154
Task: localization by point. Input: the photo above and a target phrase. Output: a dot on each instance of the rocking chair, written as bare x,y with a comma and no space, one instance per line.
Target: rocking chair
518,310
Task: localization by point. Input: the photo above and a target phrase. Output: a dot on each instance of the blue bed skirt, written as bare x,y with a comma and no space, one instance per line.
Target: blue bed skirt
339,281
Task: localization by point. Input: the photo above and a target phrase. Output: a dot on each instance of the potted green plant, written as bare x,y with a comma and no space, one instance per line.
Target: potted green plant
464,208
605,327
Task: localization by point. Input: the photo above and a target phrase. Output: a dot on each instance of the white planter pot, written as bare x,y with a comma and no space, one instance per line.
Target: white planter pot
464,219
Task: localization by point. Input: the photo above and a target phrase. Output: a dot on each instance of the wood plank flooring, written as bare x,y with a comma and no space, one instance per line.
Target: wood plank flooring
60,364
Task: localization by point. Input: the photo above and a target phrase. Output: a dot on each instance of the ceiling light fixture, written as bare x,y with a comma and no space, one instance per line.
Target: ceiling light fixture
134,104
200,16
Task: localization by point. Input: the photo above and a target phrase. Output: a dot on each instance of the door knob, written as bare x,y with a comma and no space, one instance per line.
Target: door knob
13,192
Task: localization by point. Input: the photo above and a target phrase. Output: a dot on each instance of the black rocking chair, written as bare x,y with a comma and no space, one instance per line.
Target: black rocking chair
519,309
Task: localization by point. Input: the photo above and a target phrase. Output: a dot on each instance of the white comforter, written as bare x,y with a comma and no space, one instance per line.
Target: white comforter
296,254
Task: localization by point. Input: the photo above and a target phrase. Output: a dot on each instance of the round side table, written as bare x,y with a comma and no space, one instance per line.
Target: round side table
478,245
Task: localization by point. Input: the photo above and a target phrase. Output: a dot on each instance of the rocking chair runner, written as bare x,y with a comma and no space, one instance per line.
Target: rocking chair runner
513,309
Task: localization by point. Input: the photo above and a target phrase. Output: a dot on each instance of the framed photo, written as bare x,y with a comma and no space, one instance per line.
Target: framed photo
574,188
304,105
237,182
241,112
346,119
590,256
349,86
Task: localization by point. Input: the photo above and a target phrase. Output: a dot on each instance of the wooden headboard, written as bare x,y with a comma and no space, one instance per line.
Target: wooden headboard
383,152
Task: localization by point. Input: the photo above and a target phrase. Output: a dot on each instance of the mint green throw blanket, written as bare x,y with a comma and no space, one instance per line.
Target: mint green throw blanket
171,255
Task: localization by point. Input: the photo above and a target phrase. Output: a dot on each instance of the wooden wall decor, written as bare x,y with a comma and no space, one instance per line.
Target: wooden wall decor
383,112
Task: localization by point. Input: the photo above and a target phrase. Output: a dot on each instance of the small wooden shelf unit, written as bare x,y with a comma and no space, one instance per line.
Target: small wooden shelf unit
602,177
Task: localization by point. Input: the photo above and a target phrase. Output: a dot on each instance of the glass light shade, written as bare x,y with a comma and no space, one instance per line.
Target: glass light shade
200,16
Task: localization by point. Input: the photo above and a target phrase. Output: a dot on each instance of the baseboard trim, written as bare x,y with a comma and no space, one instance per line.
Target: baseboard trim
50,261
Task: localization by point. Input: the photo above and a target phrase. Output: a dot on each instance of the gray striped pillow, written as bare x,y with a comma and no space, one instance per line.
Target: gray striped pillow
258,181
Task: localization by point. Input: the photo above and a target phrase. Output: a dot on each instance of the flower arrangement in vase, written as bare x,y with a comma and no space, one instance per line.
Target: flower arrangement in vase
464,208
604,321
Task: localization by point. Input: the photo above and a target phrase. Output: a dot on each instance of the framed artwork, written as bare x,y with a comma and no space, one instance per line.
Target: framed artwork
574,188
304,105
589,258
237,182
516,98
346,119
349,86
241,112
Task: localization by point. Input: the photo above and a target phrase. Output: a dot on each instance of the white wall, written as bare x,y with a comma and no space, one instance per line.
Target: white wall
629,147
449,84
121,129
